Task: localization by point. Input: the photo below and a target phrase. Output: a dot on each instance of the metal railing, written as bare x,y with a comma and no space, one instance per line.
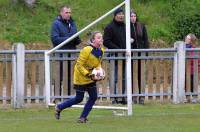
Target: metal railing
177,55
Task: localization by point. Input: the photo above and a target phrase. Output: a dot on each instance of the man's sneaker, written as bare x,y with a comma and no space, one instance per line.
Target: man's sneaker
57,113
82,120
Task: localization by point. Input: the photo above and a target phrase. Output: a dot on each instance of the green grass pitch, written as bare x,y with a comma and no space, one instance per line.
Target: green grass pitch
147,118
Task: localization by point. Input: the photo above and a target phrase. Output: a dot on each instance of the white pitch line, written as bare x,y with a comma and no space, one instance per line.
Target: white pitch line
97,107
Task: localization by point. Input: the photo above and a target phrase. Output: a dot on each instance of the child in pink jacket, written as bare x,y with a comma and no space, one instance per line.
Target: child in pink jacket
191,42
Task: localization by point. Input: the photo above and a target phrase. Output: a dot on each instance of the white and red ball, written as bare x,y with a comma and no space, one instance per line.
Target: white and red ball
99,73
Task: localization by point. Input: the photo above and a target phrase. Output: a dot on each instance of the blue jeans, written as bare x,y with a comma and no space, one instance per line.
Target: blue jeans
80,90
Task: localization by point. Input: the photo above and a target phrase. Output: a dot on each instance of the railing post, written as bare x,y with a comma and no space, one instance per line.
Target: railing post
47,79
179,73
18,75
128,59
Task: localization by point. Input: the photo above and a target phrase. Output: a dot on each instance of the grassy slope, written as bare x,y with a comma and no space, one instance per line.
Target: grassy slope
147,118
154,15
19,23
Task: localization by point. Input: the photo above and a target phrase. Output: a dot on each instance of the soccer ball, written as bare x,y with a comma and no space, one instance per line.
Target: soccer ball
99,73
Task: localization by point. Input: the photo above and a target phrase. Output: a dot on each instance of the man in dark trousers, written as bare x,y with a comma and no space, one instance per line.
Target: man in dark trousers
63,28
115,38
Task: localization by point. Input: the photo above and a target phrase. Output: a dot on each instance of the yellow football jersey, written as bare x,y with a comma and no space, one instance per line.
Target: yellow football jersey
89,58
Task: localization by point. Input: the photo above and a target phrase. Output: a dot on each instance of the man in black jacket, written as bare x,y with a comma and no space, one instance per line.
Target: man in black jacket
115,32
115,38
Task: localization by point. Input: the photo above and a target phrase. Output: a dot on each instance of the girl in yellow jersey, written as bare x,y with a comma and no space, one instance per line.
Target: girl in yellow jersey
90,57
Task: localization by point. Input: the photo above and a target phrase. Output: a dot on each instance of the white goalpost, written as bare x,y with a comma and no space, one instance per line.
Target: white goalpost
128,61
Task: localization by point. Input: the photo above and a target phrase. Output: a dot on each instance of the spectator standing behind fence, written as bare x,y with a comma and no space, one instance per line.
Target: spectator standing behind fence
90,57
115,38
139,40
63,28
191,42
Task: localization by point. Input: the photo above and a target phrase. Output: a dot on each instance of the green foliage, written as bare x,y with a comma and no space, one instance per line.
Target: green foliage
188,24
186,18
167,20
22,24
154,14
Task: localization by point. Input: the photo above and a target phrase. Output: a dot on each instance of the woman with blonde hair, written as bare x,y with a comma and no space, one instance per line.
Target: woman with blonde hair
90,57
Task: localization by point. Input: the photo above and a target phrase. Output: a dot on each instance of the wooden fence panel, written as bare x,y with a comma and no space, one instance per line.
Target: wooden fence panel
135,80
101,85
188,83
37,86
158,77
104,82
142,74
150,70
1,80
166,87
8,79
165,79
155,78
27,81
72,75
41,79
112,76
65,77
150,78
52,77
57,84
33,79
120,77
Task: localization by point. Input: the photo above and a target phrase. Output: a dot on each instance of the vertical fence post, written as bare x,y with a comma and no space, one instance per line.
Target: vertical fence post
179,73
14,76
128,58
47,79
18,75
